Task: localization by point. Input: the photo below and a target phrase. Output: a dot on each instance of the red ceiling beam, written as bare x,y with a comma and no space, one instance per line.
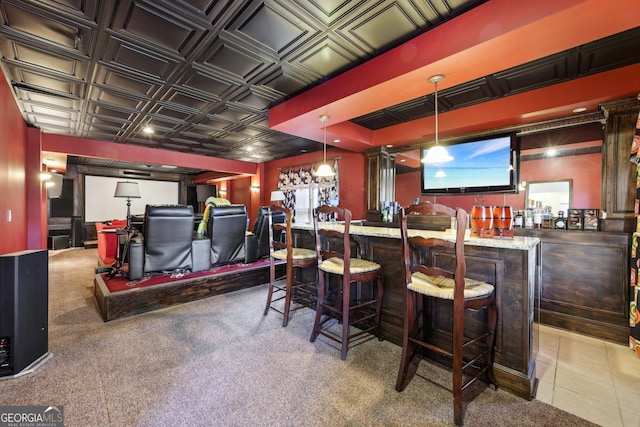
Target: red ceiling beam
533,106
494,36
134,153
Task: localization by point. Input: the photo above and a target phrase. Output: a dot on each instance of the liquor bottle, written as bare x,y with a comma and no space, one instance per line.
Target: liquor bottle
561,221
546,217
528,218
537,218
518,220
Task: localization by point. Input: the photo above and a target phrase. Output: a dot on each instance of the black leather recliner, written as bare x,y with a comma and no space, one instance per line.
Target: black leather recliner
227,229
167,243
261,229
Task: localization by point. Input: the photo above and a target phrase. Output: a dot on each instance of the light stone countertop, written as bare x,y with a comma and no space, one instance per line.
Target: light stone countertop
517,242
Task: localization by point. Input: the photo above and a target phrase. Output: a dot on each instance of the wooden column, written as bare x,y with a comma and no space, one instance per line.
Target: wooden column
381,180
618,173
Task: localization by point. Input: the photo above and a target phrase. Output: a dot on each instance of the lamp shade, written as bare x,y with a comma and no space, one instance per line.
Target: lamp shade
324,170
54,186
437,154
128,190
277,196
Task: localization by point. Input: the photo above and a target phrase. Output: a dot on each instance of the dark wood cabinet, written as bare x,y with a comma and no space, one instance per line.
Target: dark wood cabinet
584,284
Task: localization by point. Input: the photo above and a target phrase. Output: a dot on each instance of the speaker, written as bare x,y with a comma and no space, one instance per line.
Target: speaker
24,309
76,232
203,192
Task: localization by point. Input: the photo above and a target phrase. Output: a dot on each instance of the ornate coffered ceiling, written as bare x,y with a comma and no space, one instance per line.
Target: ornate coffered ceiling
209,76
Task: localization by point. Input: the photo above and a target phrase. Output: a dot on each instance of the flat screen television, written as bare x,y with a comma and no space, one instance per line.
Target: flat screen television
483,165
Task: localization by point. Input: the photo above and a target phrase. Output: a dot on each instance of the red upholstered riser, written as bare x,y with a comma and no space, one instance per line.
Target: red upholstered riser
122,298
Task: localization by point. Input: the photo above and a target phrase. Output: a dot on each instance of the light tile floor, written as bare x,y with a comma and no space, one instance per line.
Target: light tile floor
594,379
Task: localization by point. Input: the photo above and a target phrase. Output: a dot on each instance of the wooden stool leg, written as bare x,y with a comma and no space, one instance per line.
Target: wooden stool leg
272,278
458,339
346,308
287,298
316,324
379,294
492,314
407,346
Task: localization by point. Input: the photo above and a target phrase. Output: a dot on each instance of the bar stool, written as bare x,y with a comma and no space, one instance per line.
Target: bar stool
335,303
472,357
287,287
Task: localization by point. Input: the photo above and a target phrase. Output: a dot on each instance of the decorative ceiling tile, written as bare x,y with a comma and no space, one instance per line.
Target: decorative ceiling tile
127,83
205,85
273,28
48,83
382,26
117,100
155,26
239,63
205,70
135,59
326,57
39,26
28,56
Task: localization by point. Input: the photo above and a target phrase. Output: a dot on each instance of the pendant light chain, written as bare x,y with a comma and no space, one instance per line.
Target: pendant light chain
324,138
324,170
437,153
436,115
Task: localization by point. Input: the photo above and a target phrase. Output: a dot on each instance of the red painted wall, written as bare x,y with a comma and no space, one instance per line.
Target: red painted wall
585,171
352,172
13,176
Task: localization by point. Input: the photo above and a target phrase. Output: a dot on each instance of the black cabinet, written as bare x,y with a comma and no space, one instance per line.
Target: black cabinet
24,306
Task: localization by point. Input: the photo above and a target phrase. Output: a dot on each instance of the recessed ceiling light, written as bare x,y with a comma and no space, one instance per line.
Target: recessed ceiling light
403,160
249,148
579,110
169,166
336,140
147,129
389,145
551,152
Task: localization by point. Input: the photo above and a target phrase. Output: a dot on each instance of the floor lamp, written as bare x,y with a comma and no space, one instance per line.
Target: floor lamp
278,196
128,190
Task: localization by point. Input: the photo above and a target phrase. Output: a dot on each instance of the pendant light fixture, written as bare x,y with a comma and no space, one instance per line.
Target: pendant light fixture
324,170
437,153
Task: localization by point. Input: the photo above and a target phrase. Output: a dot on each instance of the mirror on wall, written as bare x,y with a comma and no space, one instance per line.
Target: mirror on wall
557,194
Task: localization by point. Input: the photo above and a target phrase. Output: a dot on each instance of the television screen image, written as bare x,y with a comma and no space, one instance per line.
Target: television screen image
487,165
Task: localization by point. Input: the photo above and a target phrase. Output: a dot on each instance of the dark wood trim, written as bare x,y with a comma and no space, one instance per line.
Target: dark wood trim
584,281
115,305
618,173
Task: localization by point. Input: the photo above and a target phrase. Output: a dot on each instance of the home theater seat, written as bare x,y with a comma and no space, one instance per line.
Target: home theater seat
167,243
227,229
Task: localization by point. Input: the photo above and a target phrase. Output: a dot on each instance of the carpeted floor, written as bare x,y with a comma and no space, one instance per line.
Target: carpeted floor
220,362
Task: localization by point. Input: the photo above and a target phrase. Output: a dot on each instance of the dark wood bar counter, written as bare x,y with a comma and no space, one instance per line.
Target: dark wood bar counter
509,264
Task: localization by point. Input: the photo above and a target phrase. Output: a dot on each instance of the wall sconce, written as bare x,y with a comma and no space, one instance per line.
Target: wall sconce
255,188
53,184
